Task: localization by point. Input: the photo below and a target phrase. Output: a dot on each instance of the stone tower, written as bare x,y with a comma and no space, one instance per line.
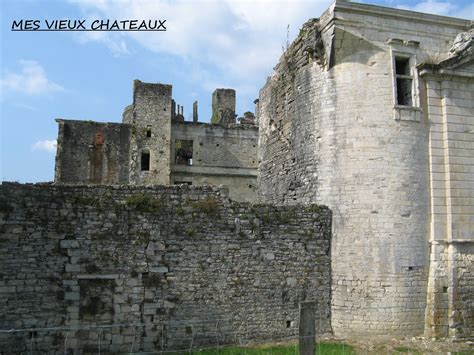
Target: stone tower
151,133
343,122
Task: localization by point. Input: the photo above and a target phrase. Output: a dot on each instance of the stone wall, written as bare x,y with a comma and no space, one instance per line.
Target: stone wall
332,133
461,291
449,87
78,256
221,156
92,151
241,187
213,145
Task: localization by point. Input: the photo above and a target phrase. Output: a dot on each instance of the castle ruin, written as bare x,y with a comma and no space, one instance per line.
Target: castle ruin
369,112
154,144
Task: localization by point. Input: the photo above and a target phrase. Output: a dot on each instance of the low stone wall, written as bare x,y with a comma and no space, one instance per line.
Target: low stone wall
75,257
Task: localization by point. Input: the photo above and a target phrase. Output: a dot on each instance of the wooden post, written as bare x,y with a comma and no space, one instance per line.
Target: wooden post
307,328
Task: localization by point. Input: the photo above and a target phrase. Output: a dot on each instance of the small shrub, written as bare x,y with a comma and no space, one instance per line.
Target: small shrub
190,231
143,237
98,236
209,205
285,217
85,200
143,203
313,208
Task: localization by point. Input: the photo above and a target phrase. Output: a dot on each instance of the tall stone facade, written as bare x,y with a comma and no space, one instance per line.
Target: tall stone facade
116,269
356,116
155,145
151,115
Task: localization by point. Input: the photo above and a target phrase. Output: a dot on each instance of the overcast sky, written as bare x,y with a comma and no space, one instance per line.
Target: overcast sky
88,75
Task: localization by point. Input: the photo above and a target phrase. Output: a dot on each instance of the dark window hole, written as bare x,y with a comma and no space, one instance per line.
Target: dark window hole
145,161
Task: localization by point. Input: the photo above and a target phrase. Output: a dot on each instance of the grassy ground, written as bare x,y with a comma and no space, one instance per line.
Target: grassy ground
324,348
321,348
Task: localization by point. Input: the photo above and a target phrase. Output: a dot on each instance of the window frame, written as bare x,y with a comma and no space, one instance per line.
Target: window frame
405,49
412,76
404,77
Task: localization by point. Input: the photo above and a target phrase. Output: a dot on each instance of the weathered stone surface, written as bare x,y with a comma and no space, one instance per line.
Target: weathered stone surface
332,132
92,152
223,107
224,153
166,255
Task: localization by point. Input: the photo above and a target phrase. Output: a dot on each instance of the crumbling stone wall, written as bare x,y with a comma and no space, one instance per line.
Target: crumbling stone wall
142,150
213,145
223,107
73,256
292,105
92,151
221,156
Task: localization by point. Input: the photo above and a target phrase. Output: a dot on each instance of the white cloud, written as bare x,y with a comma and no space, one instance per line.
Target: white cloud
445,8
46,145
31,80
115,42
240,40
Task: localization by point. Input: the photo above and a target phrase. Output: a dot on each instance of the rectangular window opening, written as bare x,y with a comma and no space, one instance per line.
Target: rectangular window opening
183,152
402,66
148,131
404,81
145,161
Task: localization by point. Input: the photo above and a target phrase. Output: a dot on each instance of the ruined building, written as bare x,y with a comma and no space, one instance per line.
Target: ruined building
371,112
155,145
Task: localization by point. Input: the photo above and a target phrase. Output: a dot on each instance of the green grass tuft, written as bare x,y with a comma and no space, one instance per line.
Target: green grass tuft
320,348
144,203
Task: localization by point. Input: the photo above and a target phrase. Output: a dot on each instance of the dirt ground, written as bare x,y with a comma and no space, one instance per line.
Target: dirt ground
413,345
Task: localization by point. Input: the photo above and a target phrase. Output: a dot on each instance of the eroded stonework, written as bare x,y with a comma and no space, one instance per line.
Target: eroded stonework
155,145
188,266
